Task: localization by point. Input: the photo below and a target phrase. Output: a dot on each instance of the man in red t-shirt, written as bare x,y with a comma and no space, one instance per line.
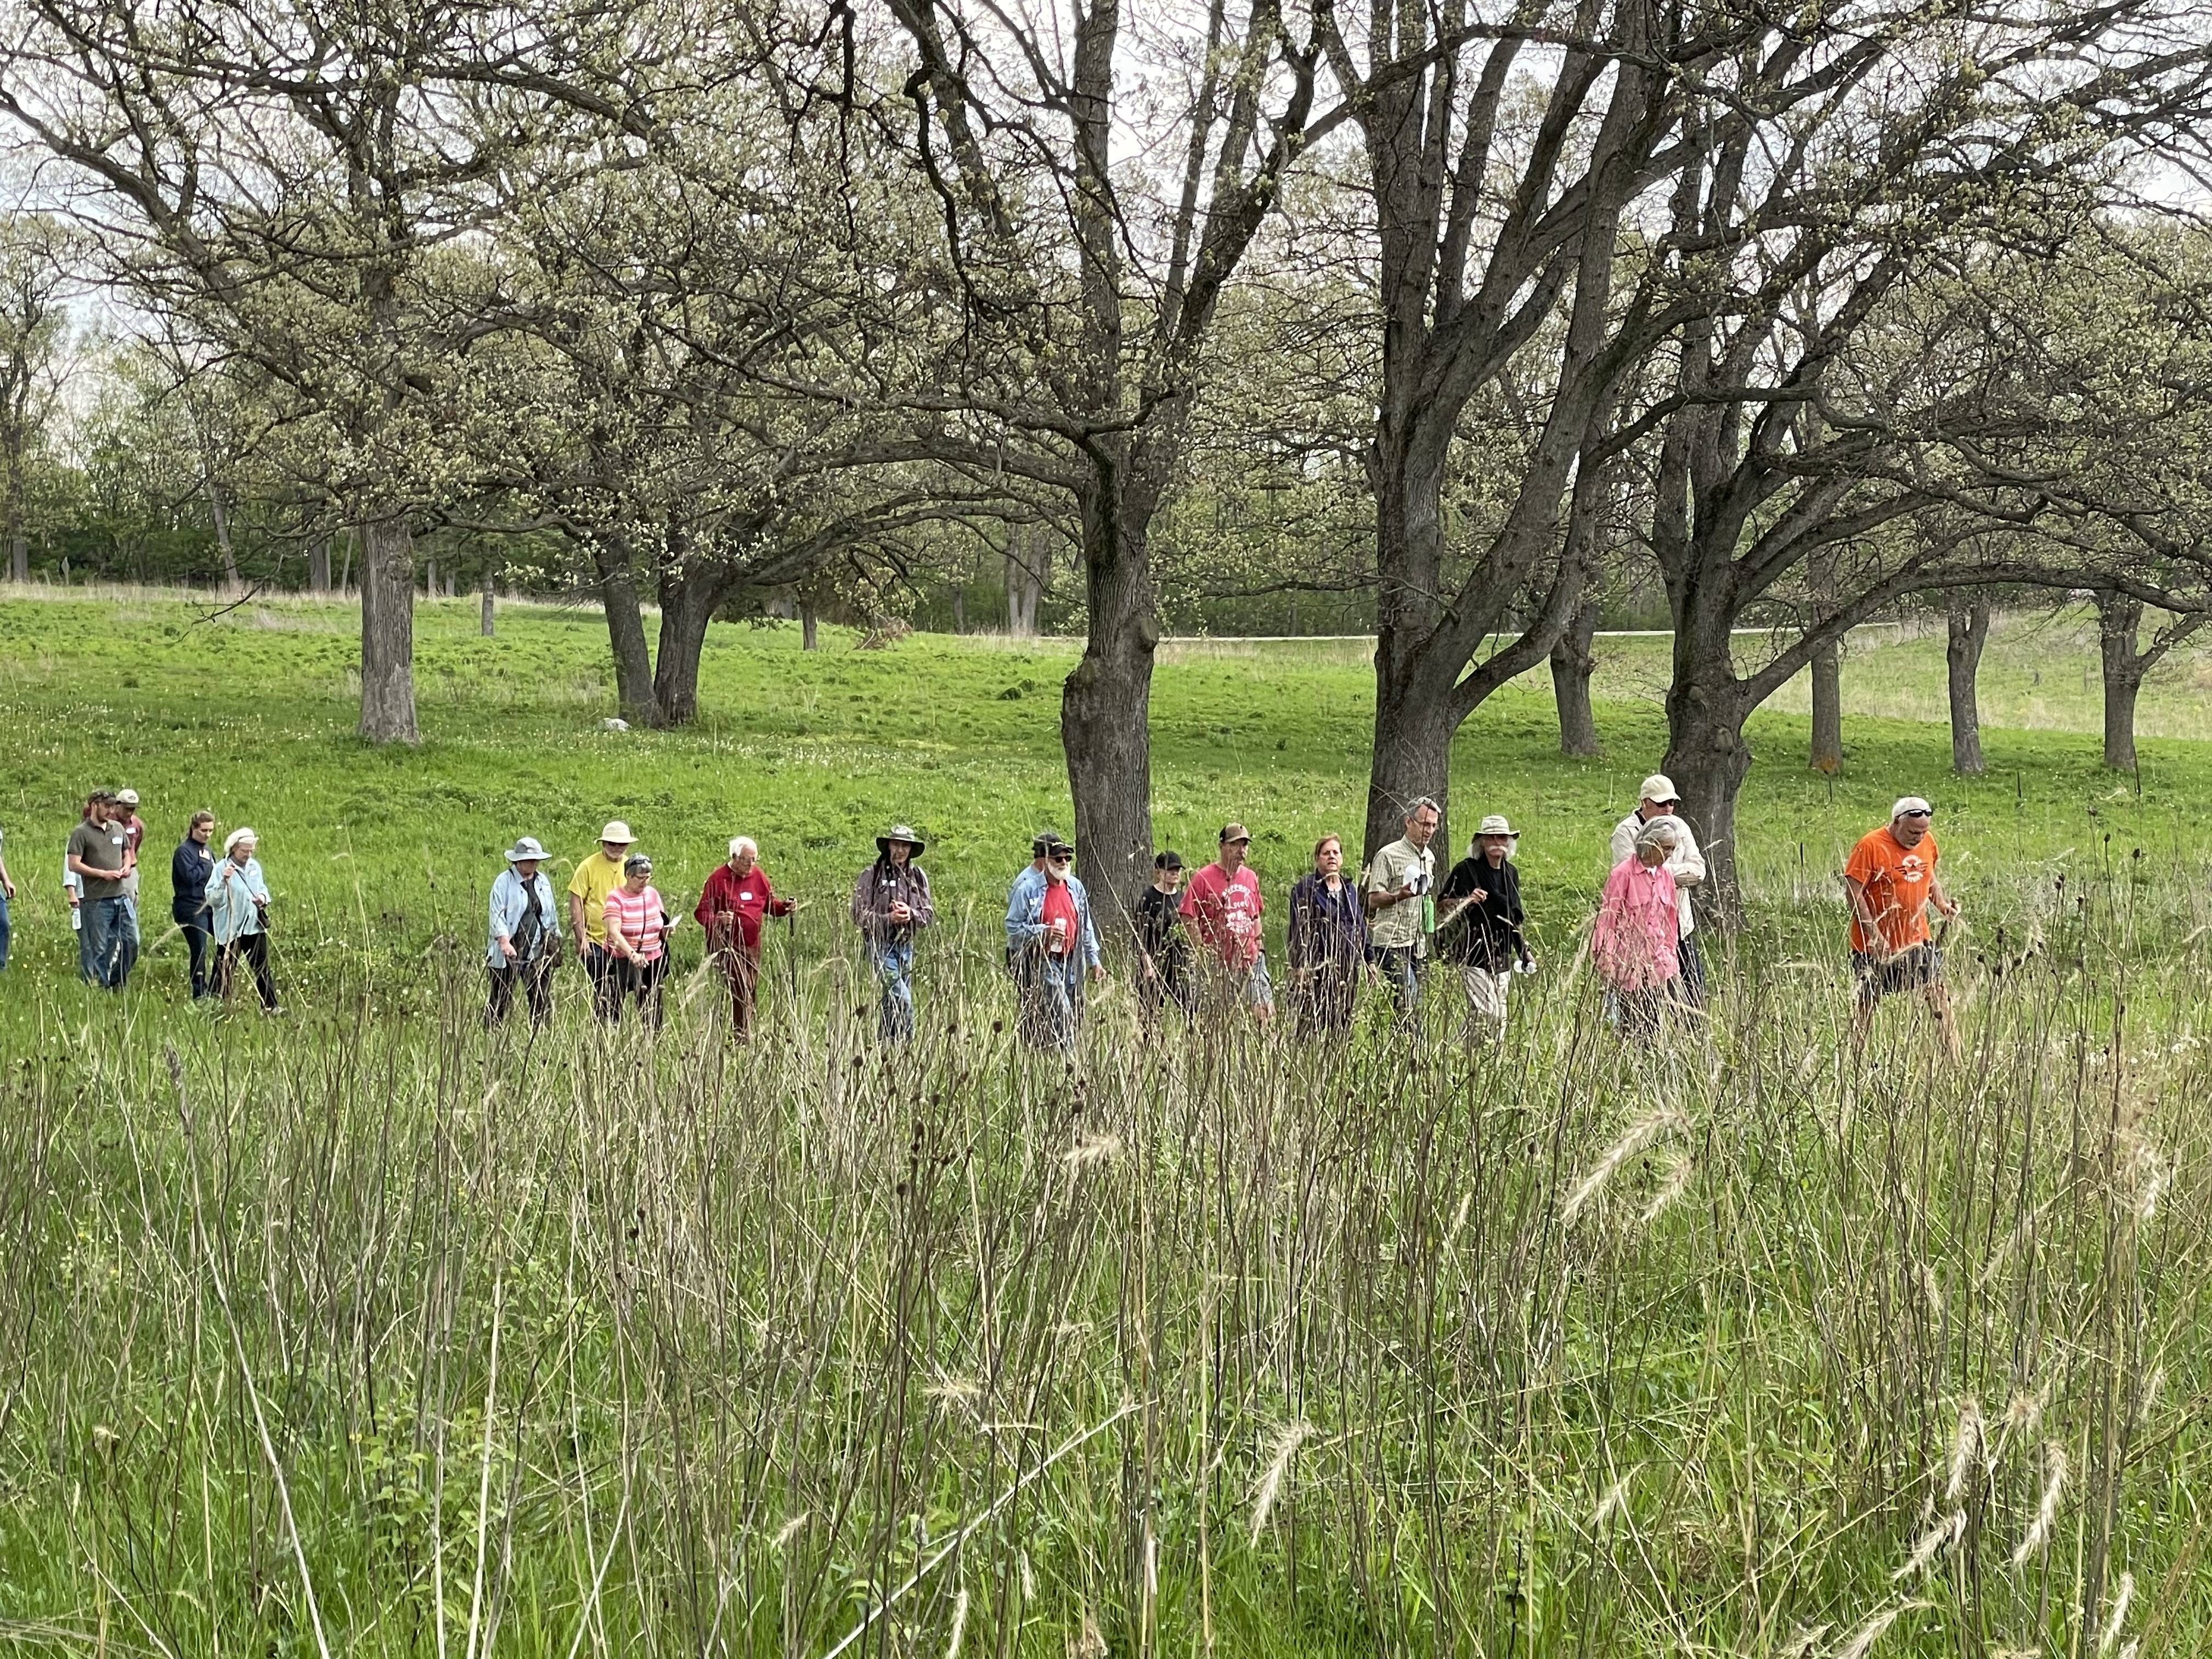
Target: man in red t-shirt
1222,906
1890,878
737,897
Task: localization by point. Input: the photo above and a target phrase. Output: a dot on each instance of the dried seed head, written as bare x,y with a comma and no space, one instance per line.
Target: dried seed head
1640,1135
790,1530
1673,1181
1280,1453
1945,1533
1615,1498
2046,1512
1090,1150
2119,1616
959,1624
1867,1635
1967,1445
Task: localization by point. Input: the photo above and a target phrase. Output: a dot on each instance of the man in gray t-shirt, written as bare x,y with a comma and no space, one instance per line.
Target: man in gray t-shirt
99,857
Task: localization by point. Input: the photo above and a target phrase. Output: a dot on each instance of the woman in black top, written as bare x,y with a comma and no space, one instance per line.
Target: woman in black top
190,866
1480,927
1163,953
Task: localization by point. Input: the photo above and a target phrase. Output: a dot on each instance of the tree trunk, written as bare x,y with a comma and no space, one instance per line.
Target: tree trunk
431,577
1412,761
1105,724
388,633
18,538
345,566
810,637
1969,625
1573,662
318,565
959,609
625,630
2119,620
1828,708
1708,761
1025,568
219,510
688,603
488,620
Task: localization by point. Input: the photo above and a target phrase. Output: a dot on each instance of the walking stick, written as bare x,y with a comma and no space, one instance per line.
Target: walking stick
790,950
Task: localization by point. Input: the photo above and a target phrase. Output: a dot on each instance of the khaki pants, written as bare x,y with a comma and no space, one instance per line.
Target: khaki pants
1486,1004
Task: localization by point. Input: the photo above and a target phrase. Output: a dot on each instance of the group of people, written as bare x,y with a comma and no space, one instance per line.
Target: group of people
220,905
1198,933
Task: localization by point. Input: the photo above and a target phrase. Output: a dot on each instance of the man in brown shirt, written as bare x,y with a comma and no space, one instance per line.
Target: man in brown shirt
100,858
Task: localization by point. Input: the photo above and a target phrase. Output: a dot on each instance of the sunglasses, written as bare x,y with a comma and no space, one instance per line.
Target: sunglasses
1917,815
1062,858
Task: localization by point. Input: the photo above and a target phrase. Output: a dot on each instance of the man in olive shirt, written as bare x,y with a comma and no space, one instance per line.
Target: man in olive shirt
100,858
1399,898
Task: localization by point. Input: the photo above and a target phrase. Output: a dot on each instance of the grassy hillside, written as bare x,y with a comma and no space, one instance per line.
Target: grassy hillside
365,1331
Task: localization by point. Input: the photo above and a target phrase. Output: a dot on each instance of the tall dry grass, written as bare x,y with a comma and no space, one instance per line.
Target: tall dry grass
383,1335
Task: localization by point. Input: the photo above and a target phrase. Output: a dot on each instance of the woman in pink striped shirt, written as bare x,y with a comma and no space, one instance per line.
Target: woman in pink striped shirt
637,935
1634,943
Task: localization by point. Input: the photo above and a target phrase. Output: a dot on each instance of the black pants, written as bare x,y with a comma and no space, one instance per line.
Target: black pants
254,948
1322,1001
199,940
605,970
536,978
616,981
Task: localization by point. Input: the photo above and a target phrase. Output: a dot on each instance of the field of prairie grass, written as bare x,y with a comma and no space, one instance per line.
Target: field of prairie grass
365,1331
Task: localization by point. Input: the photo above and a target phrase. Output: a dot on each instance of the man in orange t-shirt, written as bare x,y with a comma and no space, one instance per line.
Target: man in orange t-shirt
1890,880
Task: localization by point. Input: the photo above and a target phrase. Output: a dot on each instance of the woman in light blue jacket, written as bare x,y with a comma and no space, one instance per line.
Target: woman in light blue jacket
238,896
525,945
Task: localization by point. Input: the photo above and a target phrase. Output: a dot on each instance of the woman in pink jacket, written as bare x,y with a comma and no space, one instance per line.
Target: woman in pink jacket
1634,942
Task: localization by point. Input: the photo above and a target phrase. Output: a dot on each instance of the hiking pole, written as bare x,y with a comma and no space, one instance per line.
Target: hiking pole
790,950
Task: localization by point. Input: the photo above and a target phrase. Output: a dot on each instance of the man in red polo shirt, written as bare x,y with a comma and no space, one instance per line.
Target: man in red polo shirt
737,897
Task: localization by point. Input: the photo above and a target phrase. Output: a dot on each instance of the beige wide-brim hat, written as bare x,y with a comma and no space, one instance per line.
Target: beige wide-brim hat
1496,824
618,833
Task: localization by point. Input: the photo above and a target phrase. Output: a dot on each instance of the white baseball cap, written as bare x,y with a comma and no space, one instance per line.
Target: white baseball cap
1909,803
1659,787
618,832
127,796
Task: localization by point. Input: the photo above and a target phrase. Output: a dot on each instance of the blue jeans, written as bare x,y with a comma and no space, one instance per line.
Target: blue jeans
894,964
109,948
3,931
1050,1006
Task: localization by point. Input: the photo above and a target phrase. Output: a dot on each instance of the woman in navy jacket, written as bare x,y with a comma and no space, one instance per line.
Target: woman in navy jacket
190,866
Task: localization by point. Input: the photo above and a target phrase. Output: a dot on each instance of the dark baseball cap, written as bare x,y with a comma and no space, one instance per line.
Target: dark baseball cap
1170,859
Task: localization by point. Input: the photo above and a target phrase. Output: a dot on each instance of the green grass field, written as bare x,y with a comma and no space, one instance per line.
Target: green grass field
364,1331
252,716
